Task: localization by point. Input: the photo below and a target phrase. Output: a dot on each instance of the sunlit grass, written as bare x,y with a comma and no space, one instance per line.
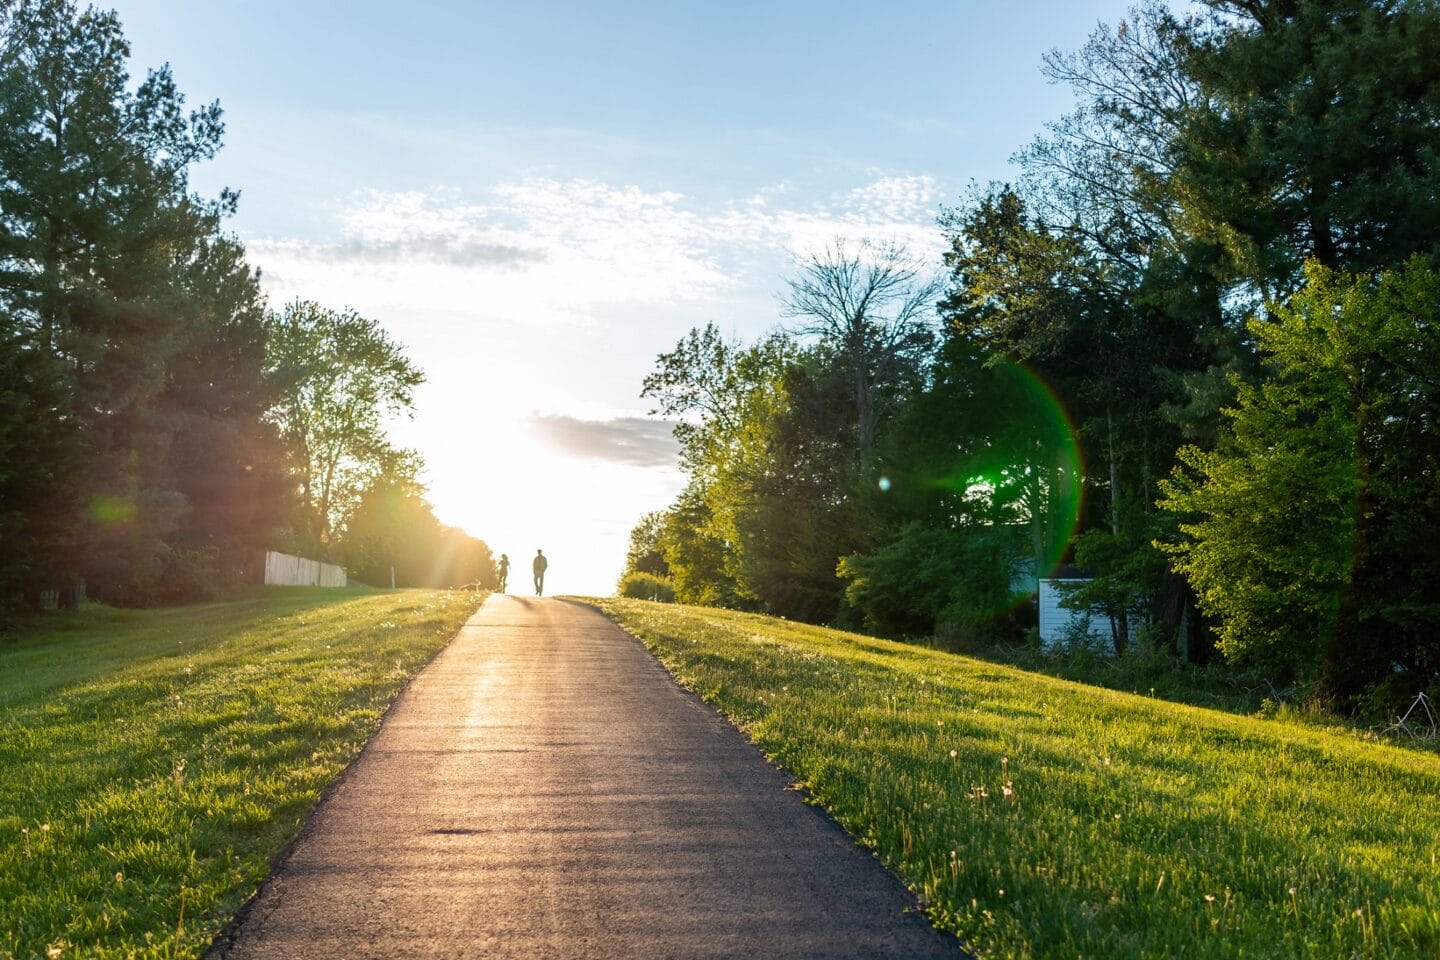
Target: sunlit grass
152,763
1041,818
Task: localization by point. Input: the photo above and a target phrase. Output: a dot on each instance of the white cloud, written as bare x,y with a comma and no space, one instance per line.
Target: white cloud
562,250
567,248
633,441
898,209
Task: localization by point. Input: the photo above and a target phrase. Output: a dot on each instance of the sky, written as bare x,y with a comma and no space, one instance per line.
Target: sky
536,199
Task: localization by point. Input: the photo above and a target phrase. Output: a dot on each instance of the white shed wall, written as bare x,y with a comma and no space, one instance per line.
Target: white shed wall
1056,621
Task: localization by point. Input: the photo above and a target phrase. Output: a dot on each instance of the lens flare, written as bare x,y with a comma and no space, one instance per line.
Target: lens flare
112,511
1024,476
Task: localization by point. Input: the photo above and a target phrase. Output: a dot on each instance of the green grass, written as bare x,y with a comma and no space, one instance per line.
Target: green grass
1036,817
152,763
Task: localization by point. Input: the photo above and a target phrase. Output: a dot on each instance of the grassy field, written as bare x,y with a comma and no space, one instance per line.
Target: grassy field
153,762
1041,818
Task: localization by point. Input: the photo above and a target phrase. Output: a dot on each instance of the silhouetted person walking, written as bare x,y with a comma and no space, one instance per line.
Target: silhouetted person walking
502,573
539,567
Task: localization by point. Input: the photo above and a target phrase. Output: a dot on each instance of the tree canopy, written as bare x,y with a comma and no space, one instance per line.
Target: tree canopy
1189,351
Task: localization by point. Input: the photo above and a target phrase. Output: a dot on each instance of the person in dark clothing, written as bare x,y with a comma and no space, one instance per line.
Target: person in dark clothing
539,566
502,573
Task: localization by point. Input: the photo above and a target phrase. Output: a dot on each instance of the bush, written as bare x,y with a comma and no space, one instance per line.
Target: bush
932,580
646,586
186,576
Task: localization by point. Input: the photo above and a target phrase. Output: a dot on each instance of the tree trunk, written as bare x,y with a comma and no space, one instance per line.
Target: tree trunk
1352,659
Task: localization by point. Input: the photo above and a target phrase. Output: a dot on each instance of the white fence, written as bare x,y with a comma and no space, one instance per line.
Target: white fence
284,570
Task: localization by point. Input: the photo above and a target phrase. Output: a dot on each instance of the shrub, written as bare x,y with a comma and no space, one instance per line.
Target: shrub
186,576
933,579
646,586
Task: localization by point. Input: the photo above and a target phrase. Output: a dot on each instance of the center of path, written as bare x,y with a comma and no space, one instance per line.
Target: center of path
545,789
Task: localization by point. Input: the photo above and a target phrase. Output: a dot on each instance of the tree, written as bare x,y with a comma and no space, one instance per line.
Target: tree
934,578
1309,531
706,383
335,376
40,454
785,500
1047,299
96,182
1106,168
647,552
1301,152
224,458
101,254
698,557
980,482
393,529
721,394
872,310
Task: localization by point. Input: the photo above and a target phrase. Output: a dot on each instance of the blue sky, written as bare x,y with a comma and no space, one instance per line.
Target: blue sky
538,198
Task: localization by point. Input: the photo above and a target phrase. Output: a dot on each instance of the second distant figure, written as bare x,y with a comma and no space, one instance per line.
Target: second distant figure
539,567
502,573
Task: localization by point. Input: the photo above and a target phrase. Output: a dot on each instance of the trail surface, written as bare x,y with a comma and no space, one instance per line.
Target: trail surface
545,789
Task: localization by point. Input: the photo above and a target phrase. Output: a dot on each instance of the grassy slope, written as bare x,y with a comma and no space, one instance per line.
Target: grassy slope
1038,817
155,761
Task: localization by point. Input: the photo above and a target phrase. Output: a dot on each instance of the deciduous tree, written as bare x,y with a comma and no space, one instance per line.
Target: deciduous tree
336,376
1309,530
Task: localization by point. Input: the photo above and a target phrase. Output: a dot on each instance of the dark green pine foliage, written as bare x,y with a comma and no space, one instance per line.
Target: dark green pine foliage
41,453
224,458
961,511
117,276
1319,135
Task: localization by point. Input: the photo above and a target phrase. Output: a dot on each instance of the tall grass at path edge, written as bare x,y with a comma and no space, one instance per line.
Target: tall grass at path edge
1037,817
154,762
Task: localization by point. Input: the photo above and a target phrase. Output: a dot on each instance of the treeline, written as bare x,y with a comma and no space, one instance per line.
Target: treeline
1193,350
160,426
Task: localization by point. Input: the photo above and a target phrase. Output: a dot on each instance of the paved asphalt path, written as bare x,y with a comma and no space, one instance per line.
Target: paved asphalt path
545,789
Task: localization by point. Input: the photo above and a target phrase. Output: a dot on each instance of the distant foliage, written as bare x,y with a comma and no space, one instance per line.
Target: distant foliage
646,586
393,529
647,552
866,464
187,576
